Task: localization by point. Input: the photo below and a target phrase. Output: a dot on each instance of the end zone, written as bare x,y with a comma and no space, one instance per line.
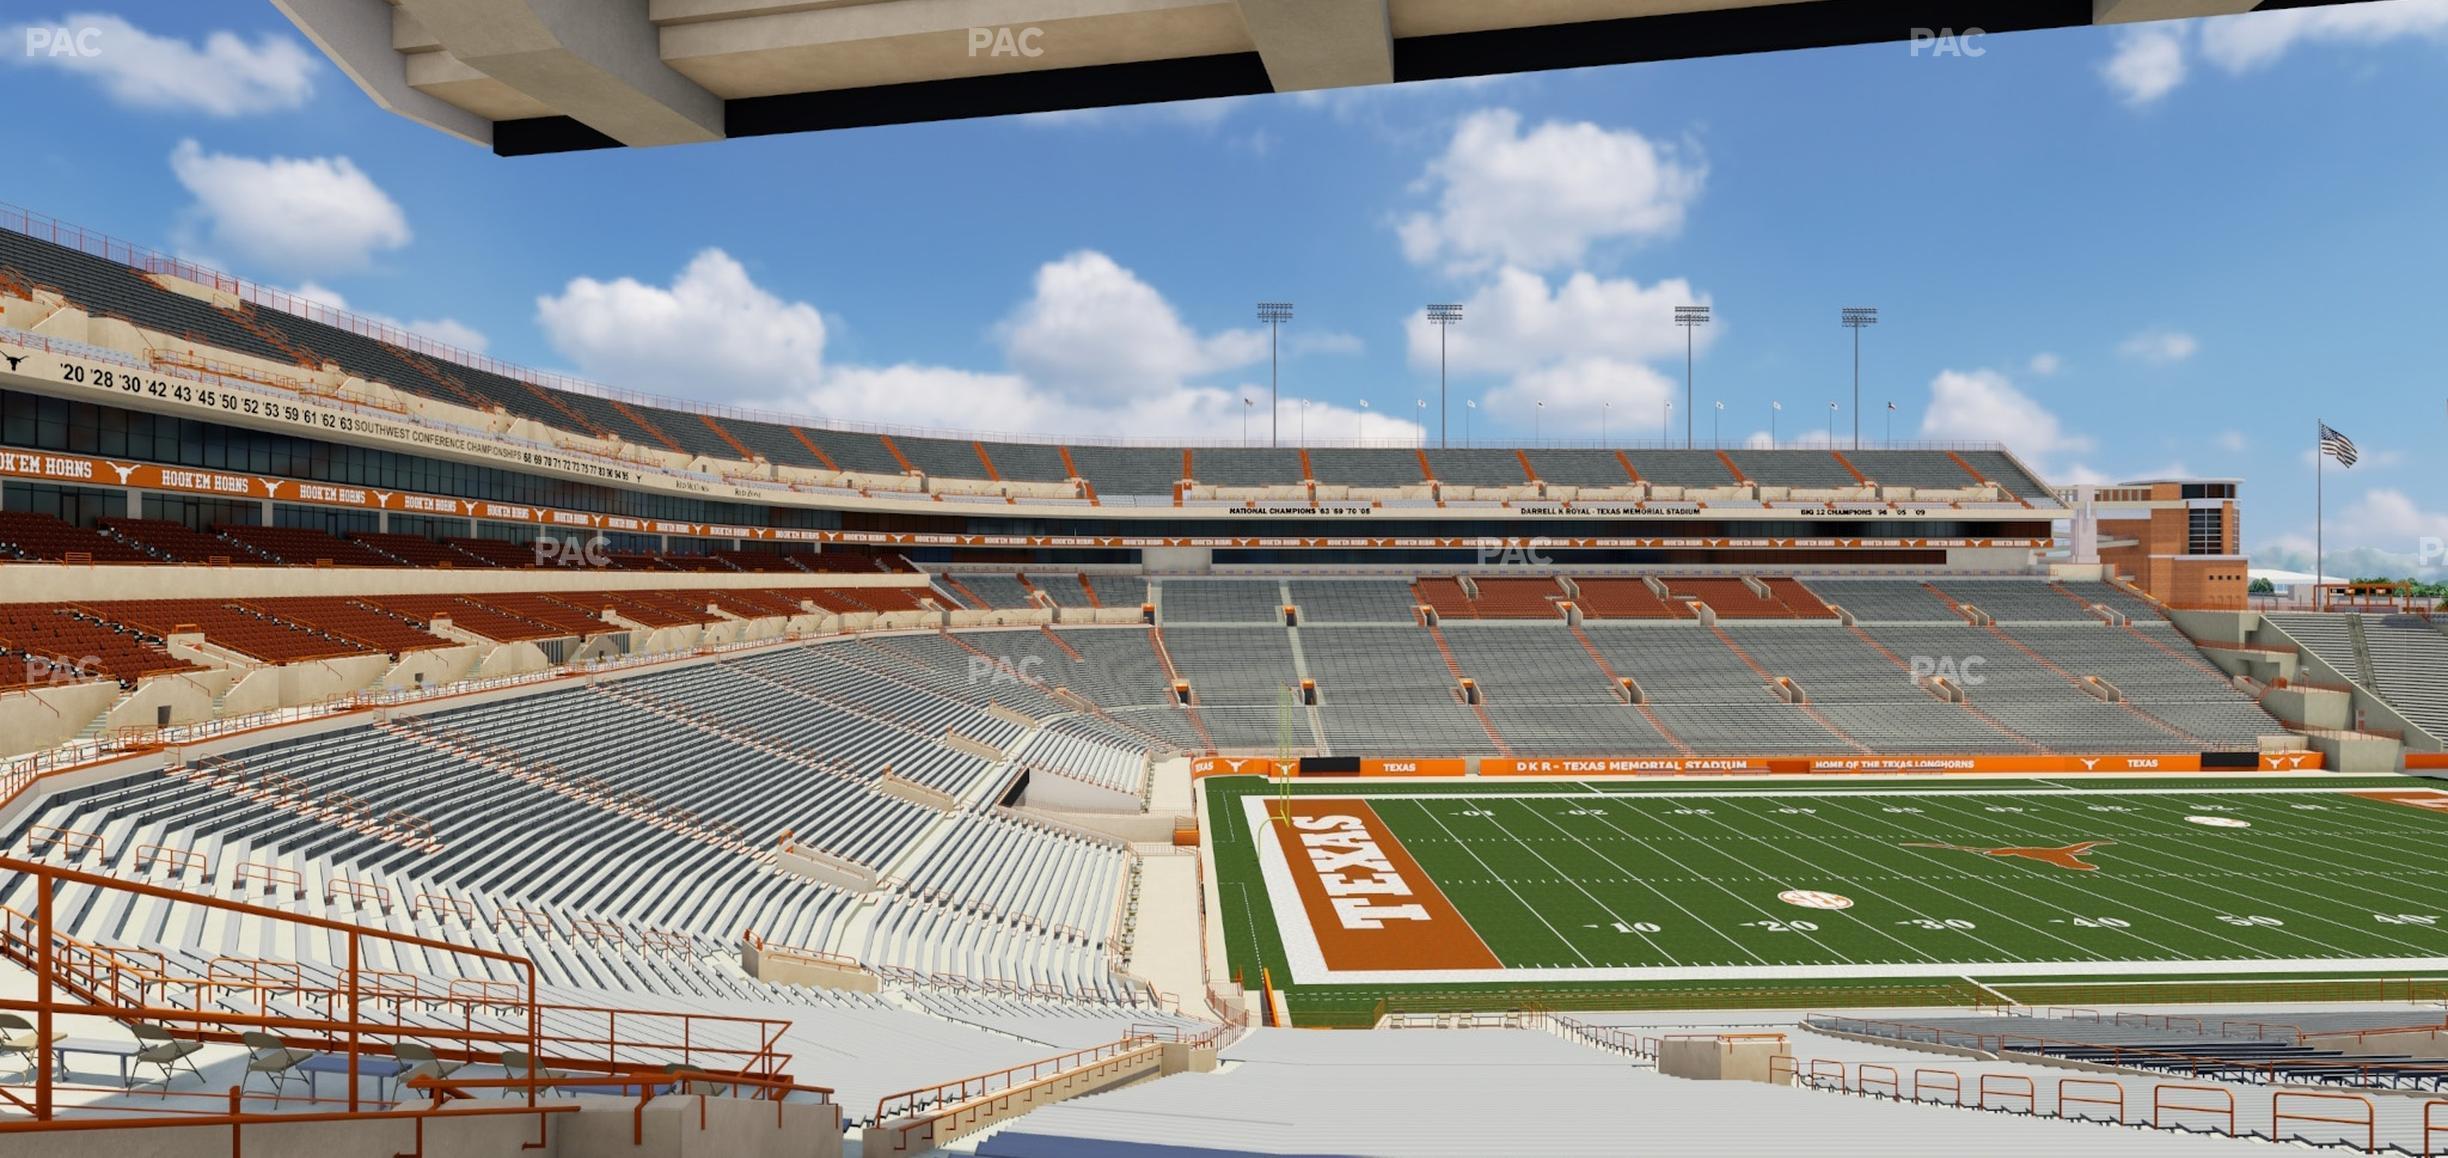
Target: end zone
1367,905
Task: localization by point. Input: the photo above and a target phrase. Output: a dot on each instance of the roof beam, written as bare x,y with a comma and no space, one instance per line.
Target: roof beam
1314,44
356,35
2131,11
597,63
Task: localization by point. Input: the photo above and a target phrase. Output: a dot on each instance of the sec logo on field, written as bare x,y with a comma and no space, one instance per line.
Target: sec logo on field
1814,899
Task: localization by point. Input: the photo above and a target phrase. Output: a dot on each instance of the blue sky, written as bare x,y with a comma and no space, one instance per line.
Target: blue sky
2122,252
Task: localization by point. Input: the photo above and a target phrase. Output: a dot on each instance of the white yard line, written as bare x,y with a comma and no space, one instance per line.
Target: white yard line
1729,939
1825,789
2011,922
1308,966
2210,882
1568,878
1754,906
1857,918
1936,859
1498,877
2392,967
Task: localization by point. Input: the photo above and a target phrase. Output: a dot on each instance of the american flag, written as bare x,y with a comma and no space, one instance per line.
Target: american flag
2337,446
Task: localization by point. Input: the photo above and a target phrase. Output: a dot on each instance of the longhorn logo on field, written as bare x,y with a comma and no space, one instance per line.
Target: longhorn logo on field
2066,857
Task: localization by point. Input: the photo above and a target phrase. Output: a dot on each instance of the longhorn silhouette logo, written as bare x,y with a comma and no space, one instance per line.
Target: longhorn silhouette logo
2064,857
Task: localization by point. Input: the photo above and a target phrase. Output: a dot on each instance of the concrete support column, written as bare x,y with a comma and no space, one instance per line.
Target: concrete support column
601,64
1313,44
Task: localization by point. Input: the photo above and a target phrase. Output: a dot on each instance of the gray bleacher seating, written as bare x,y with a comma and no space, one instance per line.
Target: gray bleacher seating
1483,468
1116,471
1246,466
1366,467
1220,601
1682,468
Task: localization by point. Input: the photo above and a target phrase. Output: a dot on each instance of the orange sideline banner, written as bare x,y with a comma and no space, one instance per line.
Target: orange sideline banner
76,468
1570,766
1814,765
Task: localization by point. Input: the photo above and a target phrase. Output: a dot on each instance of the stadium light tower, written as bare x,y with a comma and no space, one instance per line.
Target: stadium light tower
1855,317
1274,314
1689,317
1716,426
1444,315
1774,409
1468,406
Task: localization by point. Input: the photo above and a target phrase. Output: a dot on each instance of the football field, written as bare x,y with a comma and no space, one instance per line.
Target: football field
1984,885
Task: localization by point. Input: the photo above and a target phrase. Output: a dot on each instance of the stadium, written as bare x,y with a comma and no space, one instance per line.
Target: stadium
549,766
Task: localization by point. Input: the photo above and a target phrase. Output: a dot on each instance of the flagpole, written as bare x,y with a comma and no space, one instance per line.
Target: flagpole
2320,553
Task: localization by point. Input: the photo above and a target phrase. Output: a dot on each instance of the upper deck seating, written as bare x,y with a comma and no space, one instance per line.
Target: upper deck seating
300,547
227,624
27,535
59,637
177,542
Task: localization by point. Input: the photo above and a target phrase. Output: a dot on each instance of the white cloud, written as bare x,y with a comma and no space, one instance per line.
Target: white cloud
1983,406
1324,342
712,329
1583,394
1517,322
447,331
1093,351
2149,62
1094,328
2046,364
2383,531
225,76
1542,199
296,214
2256,39
2159,347
2234,441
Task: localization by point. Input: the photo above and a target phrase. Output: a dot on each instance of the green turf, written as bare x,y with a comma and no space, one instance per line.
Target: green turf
1559,875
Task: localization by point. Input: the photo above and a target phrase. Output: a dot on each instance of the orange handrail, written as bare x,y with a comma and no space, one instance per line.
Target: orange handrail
43,952
2160,1104
963,1109
67,840
444,904
358,891
2003,1087
1953,1087
2280,1114
271,875
179,860
2429,1128
912,1101
2066,1095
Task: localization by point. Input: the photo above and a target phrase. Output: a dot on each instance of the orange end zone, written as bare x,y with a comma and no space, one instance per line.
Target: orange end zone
2429,799
1369,904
